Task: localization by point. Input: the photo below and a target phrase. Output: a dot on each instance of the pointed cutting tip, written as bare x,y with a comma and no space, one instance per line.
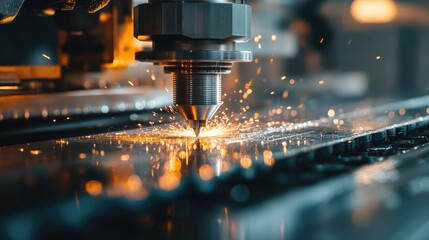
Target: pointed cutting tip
197,131
197,125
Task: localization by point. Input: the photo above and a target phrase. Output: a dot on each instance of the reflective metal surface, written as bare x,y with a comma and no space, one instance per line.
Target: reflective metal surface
88,102
385,200
160,181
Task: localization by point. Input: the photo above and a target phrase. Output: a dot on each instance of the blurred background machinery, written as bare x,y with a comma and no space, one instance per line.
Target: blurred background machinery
379,47
66,45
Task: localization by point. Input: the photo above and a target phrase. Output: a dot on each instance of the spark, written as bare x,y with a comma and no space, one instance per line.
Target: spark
273,37
125,157
283,78
9,88
46,56
378,57
321,40
35,152
321,82
131,83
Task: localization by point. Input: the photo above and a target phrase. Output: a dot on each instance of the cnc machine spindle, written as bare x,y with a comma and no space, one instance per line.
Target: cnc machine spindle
195,42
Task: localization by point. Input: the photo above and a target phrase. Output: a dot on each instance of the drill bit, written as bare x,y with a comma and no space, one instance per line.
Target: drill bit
197,96
197,125
197,131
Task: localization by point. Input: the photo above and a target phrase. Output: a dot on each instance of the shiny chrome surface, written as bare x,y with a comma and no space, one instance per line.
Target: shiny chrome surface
197,97
126,174
197,89
197,112
242,145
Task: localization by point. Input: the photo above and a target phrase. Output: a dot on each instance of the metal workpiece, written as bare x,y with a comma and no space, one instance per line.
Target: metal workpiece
195,42
313,174
77,103
46,116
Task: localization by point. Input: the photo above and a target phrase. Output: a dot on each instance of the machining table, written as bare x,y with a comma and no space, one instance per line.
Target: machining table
358,175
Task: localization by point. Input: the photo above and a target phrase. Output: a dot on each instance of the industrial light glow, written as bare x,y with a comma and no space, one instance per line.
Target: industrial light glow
374,11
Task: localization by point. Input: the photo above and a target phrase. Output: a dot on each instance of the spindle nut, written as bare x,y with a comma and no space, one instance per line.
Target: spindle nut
192,20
